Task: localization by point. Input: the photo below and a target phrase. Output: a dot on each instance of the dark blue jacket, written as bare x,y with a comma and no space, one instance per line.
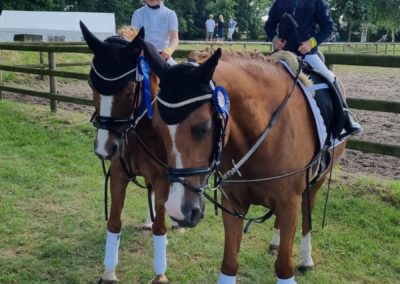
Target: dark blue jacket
312,16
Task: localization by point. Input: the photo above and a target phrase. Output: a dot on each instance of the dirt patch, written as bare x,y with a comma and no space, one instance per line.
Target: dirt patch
369,83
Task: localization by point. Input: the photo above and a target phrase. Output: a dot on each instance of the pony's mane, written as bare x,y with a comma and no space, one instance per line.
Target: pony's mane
252,61
229,55
127,32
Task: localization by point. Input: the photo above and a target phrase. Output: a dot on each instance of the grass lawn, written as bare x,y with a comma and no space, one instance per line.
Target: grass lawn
52,228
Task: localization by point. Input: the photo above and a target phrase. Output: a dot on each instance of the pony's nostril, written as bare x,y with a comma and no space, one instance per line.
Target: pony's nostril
195,215
114,149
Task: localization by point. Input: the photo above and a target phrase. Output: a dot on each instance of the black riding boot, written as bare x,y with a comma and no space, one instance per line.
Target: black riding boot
351,125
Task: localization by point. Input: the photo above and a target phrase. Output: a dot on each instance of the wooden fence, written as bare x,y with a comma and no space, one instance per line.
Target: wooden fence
53,96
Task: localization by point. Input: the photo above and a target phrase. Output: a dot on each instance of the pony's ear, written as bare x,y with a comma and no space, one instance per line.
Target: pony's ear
206,70
156,62
92,41
136,44
141,33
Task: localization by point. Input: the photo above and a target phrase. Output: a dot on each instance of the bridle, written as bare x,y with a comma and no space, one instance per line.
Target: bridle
220,100
122,126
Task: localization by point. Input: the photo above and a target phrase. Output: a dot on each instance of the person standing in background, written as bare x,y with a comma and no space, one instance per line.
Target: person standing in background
210,27
161,27
220,28
231,28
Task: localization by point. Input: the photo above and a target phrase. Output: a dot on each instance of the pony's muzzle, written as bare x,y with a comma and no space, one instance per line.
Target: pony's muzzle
192,215
108,150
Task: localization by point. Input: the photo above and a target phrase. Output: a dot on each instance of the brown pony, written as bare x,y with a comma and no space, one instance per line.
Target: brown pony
124,136
188,121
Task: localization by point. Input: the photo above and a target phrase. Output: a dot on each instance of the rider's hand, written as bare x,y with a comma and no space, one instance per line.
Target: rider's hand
305,47
279,43
166,53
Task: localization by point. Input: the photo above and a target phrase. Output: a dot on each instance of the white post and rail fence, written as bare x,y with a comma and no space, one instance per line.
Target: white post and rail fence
339,58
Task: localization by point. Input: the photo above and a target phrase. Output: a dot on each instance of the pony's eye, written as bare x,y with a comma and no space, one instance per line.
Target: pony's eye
200,130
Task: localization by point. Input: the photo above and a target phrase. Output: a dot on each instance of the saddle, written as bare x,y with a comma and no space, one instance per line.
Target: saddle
328,101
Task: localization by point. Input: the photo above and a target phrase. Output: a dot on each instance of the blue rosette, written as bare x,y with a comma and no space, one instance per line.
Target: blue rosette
143,70
221,101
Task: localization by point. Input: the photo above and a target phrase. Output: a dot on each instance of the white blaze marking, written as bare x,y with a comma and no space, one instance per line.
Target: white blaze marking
276,238
176,190
102,134
306,259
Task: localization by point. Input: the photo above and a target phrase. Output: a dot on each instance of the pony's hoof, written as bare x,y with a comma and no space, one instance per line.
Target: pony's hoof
108,277
273,249
178,228
302,269
101,281
147,226
160,279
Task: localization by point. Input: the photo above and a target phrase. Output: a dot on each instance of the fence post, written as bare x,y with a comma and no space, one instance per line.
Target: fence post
53,80
376,48
41,61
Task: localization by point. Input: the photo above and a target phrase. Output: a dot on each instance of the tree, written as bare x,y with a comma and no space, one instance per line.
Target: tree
249,17
387,15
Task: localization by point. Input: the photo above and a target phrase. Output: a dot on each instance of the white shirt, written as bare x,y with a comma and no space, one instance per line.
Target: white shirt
210,25
157,24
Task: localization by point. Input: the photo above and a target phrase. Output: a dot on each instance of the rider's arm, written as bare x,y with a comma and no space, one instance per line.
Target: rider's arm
272,22
324,21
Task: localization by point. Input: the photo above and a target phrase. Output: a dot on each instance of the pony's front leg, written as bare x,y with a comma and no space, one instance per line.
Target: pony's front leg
286,212
118,184
233,228
159,230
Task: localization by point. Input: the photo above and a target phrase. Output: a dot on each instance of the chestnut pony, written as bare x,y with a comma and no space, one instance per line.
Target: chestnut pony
123,129
198,143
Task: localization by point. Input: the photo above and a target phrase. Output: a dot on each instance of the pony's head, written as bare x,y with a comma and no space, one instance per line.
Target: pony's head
115,92
185,121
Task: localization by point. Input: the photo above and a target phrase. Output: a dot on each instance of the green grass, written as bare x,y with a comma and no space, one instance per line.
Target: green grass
52,228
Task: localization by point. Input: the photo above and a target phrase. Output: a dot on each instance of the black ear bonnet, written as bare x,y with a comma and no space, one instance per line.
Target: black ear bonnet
113,66
181,84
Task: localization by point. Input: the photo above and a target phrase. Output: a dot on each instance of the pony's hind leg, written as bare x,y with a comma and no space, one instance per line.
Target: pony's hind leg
307,262
274,244
118,184
287,213
147,225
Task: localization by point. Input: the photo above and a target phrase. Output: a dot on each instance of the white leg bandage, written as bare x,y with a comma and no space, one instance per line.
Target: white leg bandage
306,259
225,279
286,281
276,238
160,254
112,247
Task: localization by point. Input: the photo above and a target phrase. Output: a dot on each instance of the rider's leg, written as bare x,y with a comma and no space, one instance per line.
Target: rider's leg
350,124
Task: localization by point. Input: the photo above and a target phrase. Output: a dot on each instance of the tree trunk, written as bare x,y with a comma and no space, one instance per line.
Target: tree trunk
392,34
349,26
364,32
